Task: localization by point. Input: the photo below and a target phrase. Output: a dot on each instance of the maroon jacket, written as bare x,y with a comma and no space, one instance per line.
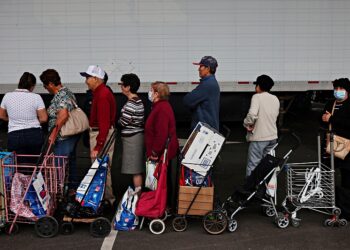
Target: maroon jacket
160,126
103,113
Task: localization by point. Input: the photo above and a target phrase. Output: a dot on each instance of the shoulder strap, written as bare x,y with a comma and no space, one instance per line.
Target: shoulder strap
330,125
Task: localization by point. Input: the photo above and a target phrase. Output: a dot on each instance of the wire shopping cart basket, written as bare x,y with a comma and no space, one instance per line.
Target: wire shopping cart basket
31,191
311,185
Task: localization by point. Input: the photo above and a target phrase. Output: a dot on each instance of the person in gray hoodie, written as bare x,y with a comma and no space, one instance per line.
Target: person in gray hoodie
260,122
204,100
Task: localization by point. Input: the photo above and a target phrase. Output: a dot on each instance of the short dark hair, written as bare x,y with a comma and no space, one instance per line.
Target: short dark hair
50,75
131,80
27,81
212,70
105,79
264,82
342,83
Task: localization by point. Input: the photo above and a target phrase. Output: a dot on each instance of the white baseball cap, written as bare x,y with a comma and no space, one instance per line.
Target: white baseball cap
94,70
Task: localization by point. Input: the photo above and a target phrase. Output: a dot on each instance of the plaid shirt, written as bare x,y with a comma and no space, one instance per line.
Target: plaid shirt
61,100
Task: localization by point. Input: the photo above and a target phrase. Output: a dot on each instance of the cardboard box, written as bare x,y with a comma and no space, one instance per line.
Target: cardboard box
202,148
202,204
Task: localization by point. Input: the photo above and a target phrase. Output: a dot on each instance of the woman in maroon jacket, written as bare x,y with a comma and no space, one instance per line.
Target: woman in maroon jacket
160,124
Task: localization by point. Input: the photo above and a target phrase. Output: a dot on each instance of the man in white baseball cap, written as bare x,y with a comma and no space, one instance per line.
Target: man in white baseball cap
94,70
102,119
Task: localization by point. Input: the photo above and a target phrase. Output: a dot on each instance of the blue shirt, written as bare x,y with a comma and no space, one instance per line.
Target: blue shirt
204,102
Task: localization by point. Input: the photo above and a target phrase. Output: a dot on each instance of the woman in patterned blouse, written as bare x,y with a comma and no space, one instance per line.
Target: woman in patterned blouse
62,103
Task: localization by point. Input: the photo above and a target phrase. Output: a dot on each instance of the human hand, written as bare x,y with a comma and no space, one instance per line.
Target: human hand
93,154
250,128
153,158
326,116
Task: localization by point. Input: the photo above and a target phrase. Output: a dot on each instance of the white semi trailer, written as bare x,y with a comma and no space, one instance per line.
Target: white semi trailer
302,44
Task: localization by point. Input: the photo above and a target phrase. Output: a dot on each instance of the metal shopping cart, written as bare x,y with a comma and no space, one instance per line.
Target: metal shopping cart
311,185
31,190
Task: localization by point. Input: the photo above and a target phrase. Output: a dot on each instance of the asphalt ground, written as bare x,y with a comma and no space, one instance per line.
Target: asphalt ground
255,231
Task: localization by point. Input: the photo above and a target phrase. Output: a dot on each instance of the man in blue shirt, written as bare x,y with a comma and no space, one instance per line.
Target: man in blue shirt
204,100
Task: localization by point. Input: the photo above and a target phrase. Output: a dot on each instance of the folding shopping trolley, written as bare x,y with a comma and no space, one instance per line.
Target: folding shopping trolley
199,154
31,190
310,185
88,206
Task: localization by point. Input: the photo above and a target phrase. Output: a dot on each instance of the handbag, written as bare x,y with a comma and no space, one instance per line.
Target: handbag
76,123
341,145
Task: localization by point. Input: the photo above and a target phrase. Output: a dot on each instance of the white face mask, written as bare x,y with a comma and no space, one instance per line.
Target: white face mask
150,96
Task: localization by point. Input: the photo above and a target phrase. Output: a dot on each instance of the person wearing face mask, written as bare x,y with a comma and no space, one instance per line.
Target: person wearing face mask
160,125
339,119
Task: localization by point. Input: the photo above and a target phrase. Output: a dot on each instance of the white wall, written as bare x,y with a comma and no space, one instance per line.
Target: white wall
291,40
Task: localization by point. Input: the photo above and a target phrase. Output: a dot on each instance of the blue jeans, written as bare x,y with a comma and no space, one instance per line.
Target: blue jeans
26,141
256,152
67,147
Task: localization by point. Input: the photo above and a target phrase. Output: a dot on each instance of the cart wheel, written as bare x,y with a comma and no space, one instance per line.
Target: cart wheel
46,227
179,224
282,220
232,225
343,222
100,228
336,211
269,211
295,223
157,226
15,229
67,228
215,222
328,222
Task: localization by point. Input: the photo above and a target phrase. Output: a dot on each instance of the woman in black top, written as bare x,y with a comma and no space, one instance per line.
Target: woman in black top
339,119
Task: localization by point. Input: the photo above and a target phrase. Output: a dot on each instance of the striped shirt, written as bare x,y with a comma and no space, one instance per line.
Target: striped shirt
132,117
21,107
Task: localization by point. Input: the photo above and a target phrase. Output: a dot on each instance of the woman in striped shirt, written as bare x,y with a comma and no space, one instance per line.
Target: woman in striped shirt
132,123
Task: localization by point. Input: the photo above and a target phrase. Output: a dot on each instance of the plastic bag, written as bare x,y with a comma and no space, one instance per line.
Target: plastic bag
151,181
91,189
126,219
19,184
191,178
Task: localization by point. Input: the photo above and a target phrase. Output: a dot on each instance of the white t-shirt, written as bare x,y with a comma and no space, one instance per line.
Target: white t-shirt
263,113
21,107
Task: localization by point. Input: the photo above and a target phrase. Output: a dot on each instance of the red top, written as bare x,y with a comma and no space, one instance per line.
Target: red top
160,126
103,113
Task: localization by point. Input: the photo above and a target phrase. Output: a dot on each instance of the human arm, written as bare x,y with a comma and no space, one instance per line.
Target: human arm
196,96
252,115
62,118
42,115
3,114
126,115
103,115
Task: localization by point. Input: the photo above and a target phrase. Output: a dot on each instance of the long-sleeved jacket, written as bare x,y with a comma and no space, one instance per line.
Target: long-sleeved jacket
160,126
204,102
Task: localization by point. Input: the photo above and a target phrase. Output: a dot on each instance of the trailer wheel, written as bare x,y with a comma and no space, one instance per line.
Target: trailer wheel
100,228
67,228
157,226
215,222
46,227
179,224
15,229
